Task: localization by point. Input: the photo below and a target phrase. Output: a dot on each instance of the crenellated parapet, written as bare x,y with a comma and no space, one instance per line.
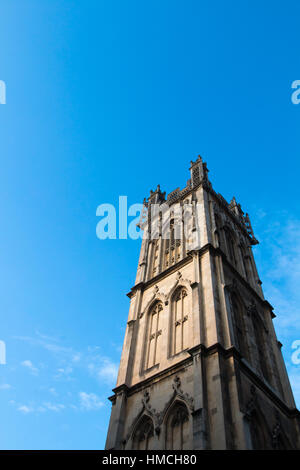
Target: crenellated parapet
199,177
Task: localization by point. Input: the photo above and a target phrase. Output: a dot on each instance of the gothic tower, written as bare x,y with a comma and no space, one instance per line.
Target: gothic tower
201,366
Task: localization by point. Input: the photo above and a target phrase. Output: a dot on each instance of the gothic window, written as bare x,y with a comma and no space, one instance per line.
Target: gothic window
172,245
167,236
260,341
258,431
180,321
177,428
144,435
154,334
172,242
239,326
230,246
244,261
217,232
155,260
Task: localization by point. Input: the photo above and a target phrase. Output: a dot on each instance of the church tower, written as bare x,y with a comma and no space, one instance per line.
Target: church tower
201,366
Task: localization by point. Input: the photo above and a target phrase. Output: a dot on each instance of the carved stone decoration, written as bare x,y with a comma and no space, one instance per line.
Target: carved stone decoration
146,399
177,393
180,394
252,403
275,434
148,410
176,384
251,309
233,287
179,282
156,295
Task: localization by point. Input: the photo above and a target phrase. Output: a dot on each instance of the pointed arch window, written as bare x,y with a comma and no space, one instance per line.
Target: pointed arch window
177,428
239,315
217,236
172,251
155,260
244,261
144,435
154,334
230,246
180,321
260,340
259,433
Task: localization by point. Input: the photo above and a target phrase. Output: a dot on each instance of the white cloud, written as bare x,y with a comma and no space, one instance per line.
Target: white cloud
46,406
294,376
100,366
54,406
76,357
108,371
50,344
64,372
103,369
66,364
89,401
278,260
30,366
5,386
25,409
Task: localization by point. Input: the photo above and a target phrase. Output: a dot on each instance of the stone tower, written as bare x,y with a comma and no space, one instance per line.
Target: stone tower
201,366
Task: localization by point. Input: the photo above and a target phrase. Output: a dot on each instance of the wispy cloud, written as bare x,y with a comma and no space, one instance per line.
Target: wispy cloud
67,366
54,407
49,343
99,366
89,401
108,371
64,372
38,408
25,409
278,260
295,383
5,386
28,364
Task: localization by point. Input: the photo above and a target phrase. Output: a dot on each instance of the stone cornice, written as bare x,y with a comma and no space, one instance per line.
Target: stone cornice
158,277
159,375
201,251
231,352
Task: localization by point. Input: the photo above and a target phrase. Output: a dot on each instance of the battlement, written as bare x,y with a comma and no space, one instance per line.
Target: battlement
199,176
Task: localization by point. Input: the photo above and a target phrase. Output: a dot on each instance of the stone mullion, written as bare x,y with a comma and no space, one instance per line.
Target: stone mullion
174,328
241,263
156,336
149,340
149,260
160,250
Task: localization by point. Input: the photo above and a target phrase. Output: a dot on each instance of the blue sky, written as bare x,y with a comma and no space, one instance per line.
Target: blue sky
109,98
